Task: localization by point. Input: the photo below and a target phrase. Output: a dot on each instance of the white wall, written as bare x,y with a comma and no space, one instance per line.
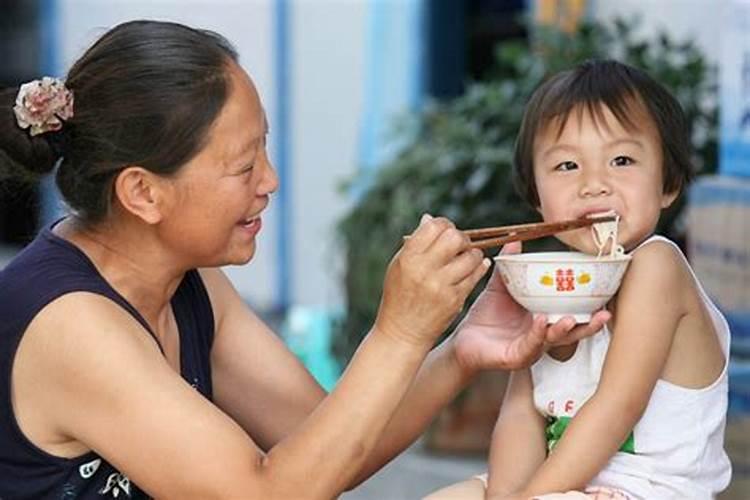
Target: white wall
327,84
700,20
326,43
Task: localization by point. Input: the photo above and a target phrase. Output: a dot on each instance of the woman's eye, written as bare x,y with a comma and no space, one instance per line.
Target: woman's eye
566,166
622,161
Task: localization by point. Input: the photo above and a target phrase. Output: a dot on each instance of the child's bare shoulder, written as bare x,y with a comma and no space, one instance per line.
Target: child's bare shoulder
660,259
657,276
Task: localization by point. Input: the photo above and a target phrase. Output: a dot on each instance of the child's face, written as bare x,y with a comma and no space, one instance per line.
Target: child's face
597,166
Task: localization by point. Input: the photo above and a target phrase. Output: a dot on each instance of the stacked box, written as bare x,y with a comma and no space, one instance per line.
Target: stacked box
734,90
719,247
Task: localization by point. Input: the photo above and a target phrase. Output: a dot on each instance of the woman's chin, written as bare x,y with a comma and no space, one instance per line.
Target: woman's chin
244,256
237,256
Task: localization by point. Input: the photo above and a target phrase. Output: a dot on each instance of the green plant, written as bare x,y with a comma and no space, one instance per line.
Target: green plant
456,160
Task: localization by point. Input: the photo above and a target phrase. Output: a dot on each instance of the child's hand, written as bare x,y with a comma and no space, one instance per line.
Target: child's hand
497,333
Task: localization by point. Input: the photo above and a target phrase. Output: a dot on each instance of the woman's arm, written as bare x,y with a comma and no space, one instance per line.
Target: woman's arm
256,379
495,334
518,443
119,397
649,306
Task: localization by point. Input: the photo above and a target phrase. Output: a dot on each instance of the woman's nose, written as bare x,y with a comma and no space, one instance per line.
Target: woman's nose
594,184
269,183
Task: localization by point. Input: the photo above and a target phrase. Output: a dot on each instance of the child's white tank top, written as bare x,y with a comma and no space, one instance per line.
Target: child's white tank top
676,449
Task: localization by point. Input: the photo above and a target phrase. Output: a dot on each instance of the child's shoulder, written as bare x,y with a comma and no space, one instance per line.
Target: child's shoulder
658,269
658,245
660,254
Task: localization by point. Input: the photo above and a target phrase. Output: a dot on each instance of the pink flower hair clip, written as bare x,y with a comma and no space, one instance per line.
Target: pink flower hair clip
43,105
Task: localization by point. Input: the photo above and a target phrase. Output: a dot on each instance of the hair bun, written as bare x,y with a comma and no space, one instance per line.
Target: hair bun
21,155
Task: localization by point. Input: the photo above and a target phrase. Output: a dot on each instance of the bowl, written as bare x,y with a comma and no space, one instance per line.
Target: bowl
561,284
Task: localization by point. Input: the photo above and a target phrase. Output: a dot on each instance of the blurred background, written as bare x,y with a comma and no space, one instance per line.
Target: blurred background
381,110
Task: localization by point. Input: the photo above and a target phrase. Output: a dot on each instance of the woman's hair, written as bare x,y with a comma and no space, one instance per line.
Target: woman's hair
146,93
626,92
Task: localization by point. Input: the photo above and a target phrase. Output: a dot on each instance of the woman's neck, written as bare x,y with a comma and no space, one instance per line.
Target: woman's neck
131,260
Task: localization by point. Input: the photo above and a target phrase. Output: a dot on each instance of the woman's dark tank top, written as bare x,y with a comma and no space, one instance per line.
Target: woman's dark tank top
46,269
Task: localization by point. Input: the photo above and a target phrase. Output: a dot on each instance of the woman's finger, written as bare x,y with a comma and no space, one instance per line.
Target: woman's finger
566,331
425,233
558,332
496,281
463,265
511,248
466,285
530,346
450,243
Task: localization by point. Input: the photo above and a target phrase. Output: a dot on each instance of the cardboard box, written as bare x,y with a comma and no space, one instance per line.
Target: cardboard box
734,90
719,246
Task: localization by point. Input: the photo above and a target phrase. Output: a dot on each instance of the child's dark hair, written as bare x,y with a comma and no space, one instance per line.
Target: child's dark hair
146,93
621,89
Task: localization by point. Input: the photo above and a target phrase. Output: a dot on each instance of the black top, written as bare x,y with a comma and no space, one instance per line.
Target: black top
45,270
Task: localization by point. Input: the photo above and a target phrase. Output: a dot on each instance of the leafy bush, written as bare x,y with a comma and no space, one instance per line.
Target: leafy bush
457,156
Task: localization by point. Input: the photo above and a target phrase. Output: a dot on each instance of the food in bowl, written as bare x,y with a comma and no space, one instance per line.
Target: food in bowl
605,233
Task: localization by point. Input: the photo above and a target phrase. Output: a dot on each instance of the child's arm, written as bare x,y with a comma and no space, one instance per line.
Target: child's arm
649,306
518,444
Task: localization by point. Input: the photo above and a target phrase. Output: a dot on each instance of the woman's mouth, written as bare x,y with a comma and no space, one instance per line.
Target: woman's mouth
252,225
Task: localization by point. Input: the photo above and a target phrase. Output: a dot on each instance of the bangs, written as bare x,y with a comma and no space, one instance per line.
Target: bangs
591,93
597,88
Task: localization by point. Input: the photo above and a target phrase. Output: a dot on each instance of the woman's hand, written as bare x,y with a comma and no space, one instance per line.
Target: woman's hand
497,333
428,281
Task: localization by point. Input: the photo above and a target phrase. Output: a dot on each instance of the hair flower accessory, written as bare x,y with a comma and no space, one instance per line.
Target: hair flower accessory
43,105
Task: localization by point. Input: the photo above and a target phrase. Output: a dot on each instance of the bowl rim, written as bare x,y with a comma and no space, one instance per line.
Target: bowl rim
559,257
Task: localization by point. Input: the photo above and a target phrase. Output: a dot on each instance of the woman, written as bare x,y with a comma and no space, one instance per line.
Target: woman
132,360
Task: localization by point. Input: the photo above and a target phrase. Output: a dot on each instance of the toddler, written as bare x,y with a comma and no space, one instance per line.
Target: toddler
638,410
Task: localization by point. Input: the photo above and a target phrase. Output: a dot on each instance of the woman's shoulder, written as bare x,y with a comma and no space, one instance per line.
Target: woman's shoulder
85,318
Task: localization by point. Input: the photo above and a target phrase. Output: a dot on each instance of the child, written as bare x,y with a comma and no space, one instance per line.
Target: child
638,410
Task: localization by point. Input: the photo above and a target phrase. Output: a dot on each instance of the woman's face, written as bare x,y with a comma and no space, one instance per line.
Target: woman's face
600,166
218,197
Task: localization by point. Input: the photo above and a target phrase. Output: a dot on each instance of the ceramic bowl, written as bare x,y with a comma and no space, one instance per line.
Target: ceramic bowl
561,284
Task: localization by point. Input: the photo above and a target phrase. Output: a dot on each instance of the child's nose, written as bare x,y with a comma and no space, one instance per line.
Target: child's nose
594,184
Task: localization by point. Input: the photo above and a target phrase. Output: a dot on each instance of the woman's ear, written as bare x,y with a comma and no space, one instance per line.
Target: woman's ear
141,193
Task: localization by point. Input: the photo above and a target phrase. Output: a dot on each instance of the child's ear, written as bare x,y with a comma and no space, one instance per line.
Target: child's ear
668,198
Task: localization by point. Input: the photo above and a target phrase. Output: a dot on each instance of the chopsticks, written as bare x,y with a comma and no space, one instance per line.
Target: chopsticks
490,237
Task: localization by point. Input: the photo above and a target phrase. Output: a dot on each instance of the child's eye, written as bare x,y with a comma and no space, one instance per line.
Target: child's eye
622,161
566,166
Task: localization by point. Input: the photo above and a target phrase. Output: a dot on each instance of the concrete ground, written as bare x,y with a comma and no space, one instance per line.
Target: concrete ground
417,472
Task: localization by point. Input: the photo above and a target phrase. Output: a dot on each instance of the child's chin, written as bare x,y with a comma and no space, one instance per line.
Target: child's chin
579,245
